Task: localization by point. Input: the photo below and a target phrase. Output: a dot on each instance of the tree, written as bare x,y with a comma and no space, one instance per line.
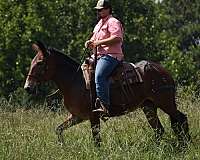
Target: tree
153,31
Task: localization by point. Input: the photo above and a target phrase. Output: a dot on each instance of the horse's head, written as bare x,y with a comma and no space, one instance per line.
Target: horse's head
41,68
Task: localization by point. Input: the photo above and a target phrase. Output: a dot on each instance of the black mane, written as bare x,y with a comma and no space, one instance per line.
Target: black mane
63,57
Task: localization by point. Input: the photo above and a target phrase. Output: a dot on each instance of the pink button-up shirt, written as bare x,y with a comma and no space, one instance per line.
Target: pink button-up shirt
106,28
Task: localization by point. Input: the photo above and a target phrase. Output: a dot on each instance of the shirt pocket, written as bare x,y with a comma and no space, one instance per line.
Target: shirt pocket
103,33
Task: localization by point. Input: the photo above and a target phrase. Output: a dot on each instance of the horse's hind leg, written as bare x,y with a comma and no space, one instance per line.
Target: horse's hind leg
151,114
179,121
179,124
69,122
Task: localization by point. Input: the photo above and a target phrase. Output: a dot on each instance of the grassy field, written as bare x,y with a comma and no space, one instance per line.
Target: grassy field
29,134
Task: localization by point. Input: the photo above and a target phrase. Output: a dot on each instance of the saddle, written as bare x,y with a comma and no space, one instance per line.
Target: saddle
124,74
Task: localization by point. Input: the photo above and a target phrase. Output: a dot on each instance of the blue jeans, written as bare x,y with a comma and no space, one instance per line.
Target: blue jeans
105,66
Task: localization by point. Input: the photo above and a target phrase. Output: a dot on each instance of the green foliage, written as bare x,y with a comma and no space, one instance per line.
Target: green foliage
182,27
153,31
181,66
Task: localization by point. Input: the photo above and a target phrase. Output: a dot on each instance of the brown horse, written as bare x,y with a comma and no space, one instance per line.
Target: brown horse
157,90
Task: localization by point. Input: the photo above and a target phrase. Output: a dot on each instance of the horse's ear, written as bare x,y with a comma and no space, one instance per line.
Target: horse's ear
39,46
35,47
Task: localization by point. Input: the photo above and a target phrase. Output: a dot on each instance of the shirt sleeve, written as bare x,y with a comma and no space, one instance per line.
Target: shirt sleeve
115,28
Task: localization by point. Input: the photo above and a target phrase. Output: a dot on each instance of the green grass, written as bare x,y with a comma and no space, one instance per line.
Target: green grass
29,134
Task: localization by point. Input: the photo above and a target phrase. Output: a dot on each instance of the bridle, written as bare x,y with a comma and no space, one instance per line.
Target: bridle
39,76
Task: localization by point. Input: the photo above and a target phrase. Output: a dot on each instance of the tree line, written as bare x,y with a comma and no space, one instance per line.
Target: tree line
167,32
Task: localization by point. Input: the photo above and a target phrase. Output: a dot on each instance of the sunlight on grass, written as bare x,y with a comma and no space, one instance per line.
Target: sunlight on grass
29,134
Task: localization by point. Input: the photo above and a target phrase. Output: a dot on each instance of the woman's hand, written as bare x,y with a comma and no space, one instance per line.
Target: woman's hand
92,44
95,44
108,41
88,44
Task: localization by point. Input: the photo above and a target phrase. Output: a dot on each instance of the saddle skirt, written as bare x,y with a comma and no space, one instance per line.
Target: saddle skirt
124,74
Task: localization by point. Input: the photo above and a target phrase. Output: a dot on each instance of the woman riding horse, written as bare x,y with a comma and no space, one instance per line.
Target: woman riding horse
156,91
106,42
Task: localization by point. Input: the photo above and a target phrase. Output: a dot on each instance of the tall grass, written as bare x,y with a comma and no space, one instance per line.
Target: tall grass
29,134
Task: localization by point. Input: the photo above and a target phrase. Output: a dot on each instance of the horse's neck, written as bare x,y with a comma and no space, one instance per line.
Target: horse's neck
69,80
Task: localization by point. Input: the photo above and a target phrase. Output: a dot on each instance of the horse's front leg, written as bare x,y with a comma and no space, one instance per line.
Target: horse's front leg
69,122
95,125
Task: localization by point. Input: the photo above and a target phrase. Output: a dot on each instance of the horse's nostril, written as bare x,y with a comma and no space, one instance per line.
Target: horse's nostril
28,89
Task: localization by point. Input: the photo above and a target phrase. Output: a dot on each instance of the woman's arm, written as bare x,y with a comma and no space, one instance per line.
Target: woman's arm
108,41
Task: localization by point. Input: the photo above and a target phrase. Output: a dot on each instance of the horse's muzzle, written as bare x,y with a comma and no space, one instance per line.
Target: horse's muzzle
30,87
30,90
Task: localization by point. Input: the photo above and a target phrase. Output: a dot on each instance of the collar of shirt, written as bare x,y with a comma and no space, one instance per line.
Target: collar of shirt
106,18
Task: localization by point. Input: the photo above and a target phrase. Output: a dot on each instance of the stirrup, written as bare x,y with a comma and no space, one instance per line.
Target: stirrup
101,109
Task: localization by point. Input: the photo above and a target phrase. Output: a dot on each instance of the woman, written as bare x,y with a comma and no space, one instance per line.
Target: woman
106,41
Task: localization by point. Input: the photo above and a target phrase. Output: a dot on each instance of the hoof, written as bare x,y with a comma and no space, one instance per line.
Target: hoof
104,118
61,143
59,131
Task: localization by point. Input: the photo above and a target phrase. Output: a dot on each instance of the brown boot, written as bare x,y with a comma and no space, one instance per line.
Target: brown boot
101,108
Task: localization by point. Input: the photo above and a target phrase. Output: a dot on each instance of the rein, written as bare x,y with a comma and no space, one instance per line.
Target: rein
85,52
